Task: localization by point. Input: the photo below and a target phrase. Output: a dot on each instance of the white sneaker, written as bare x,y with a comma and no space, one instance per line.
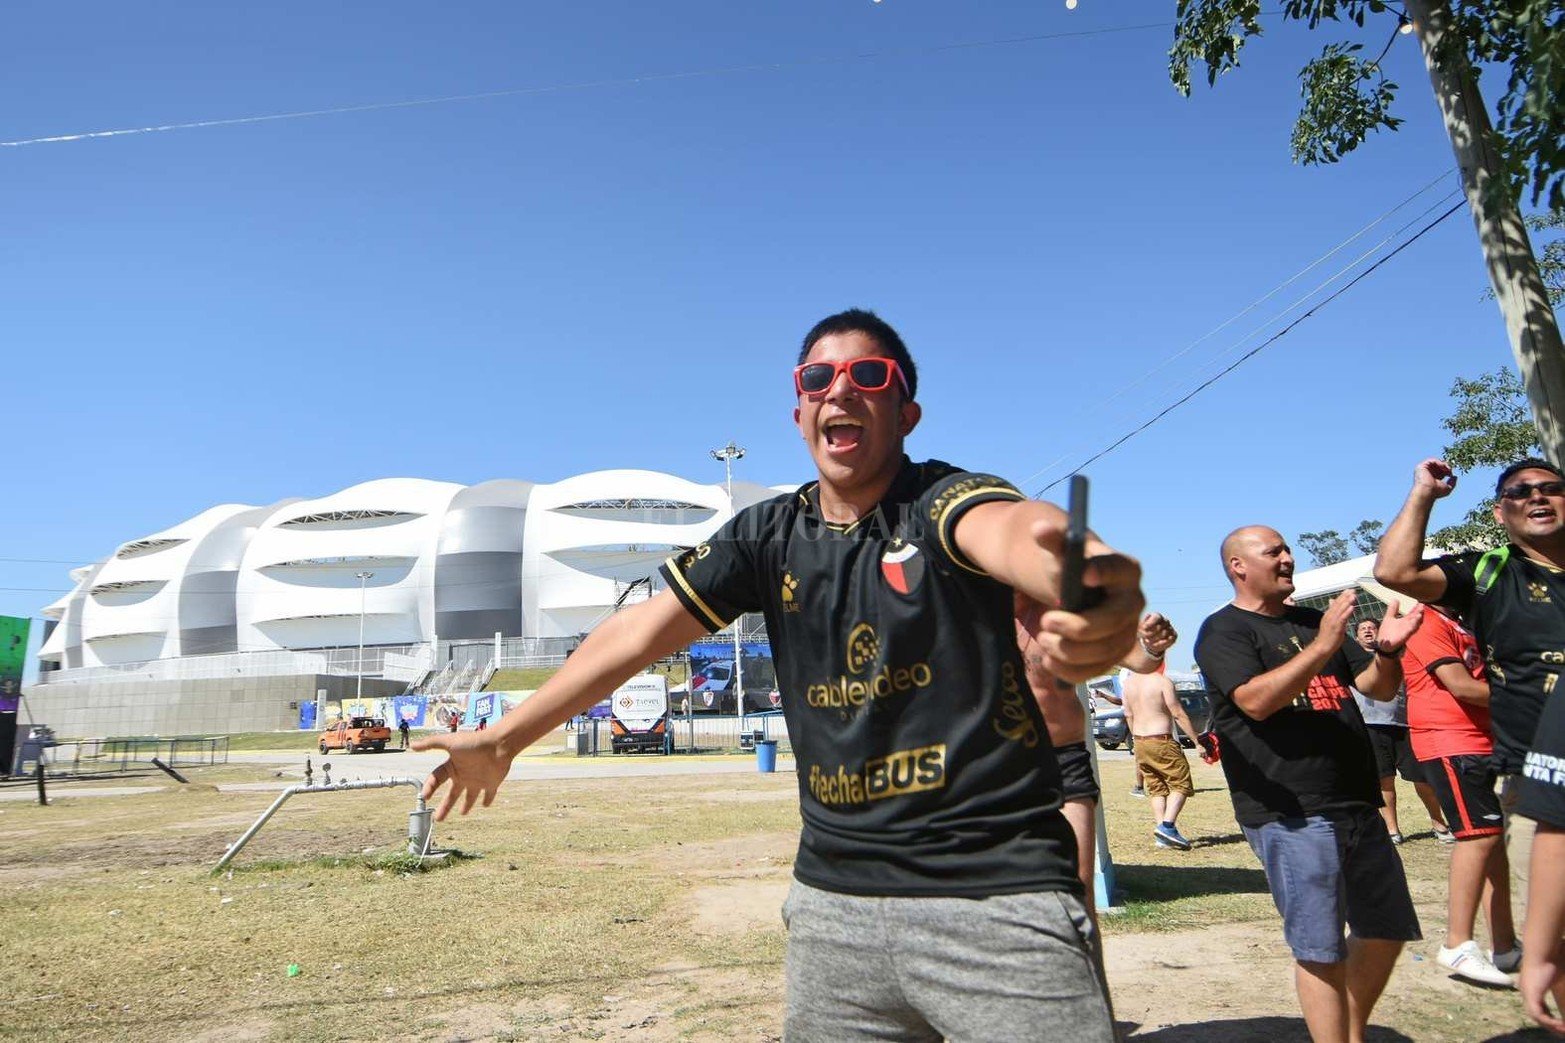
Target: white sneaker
1509,961
1468,961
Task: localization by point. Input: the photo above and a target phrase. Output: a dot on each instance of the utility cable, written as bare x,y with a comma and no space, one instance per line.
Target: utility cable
1274,338
1253,305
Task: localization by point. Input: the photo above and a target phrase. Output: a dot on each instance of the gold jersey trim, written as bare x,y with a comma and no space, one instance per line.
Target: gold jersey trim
716,621
943,527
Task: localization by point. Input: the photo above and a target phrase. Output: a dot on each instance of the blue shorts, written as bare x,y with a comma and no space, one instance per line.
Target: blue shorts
1327,871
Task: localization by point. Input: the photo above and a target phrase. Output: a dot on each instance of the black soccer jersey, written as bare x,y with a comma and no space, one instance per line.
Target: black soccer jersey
924,764
1519,621
1308,758
1543,770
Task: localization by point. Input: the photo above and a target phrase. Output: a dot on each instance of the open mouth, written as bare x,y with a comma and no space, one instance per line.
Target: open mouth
843,434
1541,514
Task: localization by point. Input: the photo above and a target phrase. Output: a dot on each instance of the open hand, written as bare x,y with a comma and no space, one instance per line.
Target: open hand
475,766
1334,623
1396,628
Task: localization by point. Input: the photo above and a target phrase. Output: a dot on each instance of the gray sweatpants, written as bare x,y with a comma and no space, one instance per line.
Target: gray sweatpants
1005,969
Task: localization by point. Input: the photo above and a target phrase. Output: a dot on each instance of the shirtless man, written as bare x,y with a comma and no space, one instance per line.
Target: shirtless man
1067,723
1151,710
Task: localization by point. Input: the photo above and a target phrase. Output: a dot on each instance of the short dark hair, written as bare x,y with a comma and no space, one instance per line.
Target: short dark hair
860,320
1529,464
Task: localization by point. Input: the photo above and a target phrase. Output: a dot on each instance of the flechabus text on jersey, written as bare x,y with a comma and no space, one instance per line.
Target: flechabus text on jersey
905,771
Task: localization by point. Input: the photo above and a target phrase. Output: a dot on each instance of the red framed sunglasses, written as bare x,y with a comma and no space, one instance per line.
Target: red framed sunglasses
867,374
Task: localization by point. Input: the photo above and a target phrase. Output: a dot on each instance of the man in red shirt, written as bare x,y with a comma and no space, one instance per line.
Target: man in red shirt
1448,723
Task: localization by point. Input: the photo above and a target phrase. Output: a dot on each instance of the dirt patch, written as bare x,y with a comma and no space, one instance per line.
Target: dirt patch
737,908
248,1031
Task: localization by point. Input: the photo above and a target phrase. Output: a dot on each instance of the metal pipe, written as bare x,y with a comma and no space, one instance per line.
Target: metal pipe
282,798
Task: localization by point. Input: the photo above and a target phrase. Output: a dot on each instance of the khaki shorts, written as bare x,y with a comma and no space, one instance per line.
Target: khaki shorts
1163,766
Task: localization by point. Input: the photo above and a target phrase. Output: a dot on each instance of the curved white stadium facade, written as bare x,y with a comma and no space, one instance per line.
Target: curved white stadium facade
446,562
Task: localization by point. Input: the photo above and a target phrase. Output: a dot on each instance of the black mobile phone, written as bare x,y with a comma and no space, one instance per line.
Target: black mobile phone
1073,597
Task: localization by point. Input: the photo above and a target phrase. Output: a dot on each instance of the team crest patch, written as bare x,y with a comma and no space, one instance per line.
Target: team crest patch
903,566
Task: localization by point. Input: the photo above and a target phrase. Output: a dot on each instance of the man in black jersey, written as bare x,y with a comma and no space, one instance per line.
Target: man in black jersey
1302,776
1512,599
935,892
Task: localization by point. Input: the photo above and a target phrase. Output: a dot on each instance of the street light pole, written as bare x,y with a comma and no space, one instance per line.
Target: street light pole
364,578
728,454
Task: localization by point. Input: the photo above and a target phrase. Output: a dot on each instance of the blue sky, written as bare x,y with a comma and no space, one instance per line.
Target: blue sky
615,271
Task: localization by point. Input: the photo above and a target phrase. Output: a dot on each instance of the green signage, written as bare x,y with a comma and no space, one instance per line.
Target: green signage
13,653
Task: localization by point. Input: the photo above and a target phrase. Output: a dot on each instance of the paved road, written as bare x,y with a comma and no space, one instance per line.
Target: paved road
395,762
537,766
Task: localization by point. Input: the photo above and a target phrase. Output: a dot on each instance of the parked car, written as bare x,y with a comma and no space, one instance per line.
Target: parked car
1108,728
1110,733
356,733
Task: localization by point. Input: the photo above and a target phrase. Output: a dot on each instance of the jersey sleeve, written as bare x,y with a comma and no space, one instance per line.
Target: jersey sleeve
1227,656
1460,587
719,580
944,503
1433,644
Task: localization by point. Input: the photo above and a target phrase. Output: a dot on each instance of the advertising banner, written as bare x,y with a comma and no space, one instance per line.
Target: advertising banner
408,708
13,654
713,679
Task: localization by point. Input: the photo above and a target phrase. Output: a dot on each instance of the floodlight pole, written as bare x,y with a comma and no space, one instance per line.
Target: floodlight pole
728,454
364,578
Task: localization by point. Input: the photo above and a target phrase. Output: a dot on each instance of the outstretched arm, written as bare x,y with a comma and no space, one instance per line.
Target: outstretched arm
1400,562
477,762
1022,544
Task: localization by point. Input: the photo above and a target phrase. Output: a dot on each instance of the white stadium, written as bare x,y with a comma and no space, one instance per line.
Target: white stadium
227,620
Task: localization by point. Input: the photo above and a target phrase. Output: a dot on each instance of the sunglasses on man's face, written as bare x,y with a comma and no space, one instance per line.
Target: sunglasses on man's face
868,374
1524,490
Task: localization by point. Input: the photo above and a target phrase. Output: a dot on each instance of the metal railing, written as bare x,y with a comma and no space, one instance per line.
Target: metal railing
696,734
126,754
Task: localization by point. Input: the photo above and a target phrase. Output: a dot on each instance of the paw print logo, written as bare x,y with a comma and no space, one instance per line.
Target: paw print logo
863,648
1539,592
789,585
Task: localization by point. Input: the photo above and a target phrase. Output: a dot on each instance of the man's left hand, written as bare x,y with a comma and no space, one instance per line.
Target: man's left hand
1396,628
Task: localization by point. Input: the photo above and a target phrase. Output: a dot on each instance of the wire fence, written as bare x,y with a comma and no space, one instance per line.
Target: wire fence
119,755
592,737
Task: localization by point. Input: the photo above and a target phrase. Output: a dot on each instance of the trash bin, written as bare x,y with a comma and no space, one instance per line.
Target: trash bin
766,755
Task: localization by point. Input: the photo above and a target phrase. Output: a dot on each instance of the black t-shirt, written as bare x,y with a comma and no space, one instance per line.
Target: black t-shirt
1543,769
924,764
1520,626
1308,758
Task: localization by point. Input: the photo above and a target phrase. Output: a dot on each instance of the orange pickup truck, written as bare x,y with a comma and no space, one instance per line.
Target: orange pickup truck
356,733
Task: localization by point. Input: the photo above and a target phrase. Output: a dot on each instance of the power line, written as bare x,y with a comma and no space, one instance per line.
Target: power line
1295,277
1274,338
558,88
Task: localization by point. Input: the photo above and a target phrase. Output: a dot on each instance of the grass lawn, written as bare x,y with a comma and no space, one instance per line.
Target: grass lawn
607,909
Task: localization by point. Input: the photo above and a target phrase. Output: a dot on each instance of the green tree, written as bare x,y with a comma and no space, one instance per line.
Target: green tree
1347,96
1491,428
1520,147
1366,536
1326,547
